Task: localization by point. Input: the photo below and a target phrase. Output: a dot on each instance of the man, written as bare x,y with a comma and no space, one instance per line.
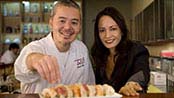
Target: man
57,58
10,55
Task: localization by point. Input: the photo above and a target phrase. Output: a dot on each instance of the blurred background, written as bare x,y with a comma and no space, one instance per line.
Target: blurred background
150,22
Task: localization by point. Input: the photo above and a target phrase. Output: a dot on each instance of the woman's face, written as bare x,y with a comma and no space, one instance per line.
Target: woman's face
109,32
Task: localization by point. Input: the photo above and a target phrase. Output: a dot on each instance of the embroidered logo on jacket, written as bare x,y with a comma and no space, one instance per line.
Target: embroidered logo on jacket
80,62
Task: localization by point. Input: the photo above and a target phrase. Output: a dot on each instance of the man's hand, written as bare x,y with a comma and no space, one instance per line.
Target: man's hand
45,65
130,89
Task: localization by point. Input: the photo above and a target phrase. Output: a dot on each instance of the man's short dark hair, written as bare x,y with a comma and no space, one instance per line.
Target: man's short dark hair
69,3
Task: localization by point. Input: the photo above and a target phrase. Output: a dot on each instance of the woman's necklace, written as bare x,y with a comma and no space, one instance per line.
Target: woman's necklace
110,65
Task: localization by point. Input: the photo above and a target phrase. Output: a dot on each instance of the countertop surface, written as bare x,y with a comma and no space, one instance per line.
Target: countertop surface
148,95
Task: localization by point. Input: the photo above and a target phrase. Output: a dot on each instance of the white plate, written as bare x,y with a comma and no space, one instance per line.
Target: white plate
116,95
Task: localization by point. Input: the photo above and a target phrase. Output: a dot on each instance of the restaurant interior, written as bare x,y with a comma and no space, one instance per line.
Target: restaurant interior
150,22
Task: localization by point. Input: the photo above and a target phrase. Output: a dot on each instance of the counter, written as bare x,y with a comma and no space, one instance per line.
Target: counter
148,95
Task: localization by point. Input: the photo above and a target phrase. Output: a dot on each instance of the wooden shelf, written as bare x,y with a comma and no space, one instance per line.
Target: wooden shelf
24,20
158,42
34,34
33,14
159,57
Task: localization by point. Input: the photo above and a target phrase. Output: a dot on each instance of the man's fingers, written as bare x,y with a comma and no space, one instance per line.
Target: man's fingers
57,70
53,73
40,71
53,67
47,69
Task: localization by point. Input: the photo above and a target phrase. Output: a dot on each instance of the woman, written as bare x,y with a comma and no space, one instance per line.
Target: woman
119,62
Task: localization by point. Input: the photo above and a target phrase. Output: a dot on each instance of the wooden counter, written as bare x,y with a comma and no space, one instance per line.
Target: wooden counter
154,95
148,95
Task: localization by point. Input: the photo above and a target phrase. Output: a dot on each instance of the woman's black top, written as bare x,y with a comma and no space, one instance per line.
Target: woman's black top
133,65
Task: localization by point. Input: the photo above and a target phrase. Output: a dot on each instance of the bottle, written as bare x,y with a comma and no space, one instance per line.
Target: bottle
25,29
45,8
36,29
25,40
41,28
35,8
50,8
31,29
5,10
47,29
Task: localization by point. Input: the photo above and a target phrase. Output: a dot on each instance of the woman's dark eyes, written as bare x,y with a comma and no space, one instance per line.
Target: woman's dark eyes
111,29
101,30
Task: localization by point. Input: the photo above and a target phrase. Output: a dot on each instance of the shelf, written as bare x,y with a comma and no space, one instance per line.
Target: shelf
34,34
42,22
35,28
33,14
11,24
0,24
31,20
9,38
19,16
46,17
162,57
28,20
158,42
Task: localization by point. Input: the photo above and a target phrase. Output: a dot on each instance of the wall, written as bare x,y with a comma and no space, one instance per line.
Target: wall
0,31
92,7
139,5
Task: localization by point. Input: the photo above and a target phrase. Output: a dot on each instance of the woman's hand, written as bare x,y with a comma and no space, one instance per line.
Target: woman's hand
130,89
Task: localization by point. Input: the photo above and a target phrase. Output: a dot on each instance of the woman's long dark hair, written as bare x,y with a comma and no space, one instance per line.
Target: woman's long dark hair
99,51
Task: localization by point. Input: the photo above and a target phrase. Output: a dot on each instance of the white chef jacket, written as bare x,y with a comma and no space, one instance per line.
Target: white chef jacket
75,65
8,57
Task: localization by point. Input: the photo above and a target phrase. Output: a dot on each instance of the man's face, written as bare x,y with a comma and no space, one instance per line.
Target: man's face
65,24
